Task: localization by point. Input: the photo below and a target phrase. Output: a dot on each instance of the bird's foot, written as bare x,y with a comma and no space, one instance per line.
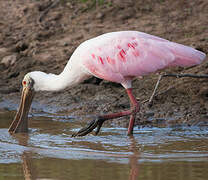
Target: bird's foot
97,122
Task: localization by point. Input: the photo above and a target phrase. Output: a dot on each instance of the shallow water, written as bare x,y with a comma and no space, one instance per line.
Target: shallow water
49,152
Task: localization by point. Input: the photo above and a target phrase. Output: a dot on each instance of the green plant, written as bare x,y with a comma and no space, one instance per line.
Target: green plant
99,2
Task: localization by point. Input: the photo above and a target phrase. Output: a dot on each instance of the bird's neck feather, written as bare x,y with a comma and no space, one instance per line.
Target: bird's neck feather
69,77
51,82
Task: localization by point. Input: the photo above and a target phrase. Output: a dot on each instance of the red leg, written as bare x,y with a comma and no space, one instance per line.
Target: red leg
134,110
101,119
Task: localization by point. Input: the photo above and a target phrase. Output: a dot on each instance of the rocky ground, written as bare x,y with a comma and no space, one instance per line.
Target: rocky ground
42,35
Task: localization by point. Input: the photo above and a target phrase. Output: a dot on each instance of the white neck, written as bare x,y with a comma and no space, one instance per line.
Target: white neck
51,82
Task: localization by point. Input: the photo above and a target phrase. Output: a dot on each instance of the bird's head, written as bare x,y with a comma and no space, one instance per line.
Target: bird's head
33,82
20,123
28,82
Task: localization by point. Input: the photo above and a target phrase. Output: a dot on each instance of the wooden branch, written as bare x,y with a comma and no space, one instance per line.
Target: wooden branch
150,101
185,75
52,5
156,86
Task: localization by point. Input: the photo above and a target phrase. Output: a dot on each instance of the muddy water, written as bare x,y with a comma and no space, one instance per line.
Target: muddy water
49,152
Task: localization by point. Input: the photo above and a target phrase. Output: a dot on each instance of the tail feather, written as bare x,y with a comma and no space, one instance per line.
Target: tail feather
185,55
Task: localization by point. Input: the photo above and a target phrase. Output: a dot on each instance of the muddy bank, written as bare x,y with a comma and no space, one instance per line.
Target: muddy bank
42,35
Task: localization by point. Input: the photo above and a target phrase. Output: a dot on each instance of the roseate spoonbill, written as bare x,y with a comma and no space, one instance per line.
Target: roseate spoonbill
118,57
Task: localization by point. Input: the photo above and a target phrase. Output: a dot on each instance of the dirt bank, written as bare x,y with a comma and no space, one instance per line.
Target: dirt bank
42,35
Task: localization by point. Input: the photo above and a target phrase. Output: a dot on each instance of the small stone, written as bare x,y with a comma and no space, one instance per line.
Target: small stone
160,120
78,37
149,114
65,44
100,16
43,57
3,50
9,60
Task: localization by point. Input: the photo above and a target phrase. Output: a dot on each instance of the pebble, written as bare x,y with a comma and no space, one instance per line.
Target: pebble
9,60
3,50
100,15
149,114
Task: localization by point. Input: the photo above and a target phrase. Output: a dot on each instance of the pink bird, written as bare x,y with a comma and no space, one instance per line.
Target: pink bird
118,57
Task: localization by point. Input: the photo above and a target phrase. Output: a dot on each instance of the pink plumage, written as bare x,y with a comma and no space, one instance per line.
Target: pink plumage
117,57
121,56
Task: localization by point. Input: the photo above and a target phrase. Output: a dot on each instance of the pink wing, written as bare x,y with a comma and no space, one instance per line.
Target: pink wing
124,55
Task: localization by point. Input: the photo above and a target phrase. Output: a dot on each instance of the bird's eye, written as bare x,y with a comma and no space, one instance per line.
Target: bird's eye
24,82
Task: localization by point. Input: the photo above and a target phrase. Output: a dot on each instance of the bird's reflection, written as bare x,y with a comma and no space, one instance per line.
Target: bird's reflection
30,172
133,160
28,168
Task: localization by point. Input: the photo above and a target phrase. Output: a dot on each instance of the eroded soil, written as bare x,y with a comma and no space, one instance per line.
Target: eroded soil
37,36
